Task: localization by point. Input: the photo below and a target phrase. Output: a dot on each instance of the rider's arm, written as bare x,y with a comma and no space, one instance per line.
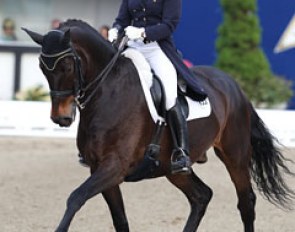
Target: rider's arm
123,19
170,18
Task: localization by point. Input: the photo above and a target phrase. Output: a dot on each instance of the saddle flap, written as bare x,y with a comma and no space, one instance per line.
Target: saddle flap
158,96
194,109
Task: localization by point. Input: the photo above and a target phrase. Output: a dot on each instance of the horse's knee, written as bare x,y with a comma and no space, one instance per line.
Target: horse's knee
202,193
203,198
208,193
75,200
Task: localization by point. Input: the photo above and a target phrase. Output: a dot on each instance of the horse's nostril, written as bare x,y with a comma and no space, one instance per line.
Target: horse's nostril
67,120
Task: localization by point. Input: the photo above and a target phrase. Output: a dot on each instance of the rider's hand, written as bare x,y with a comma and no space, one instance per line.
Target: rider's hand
134,33
113,34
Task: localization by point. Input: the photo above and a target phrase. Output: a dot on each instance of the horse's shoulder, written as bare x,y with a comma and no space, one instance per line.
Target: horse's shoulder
125,67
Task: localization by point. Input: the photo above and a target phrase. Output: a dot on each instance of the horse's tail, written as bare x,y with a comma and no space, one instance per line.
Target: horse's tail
268,165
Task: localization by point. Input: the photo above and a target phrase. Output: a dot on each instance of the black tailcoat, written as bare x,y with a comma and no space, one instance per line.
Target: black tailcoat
160,19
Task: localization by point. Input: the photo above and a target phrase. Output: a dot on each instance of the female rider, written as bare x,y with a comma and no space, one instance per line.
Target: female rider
149,24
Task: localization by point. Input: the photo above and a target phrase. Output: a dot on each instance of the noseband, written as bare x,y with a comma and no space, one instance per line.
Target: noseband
79,91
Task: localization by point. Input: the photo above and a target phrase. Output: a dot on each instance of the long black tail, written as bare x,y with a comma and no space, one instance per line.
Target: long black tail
268,165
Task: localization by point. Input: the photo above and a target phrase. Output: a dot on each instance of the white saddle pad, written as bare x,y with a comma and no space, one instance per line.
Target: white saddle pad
196,109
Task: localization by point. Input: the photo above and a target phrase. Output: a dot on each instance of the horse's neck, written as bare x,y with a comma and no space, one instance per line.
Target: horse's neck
95,56
116,99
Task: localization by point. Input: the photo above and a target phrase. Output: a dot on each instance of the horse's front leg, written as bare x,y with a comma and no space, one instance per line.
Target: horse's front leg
114,199
107,175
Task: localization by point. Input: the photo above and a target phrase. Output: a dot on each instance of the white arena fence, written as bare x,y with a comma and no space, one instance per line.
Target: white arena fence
24,118
19,118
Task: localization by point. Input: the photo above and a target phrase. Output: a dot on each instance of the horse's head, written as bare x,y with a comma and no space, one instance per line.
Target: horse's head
58,62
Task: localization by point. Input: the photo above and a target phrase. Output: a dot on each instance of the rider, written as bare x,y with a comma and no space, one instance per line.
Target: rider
149,25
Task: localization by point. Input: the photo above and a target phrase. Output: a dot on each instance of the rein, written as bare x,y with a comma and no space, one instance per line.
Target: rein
101,77
80,92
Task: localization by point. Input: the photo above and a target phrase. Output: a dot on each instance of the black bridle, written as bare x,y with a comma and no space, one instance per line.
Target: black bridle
79,91
79,82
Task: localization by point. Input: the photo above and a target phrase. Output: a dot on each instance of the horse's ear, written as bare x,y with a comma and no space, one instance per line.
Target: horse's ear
38,38
67,37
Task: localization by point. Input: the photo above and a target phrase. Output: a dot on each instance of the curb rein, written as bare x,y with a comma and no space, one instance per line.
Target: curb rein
79,91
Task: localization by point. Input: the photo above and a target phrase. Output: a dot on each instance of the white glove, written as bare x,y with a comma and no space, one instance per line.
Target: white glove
113,34
134,33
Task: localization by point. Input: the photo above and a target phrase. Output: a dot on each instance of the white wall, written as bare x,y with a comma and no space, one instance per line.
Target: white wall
33,119
31,74
7,61
37,14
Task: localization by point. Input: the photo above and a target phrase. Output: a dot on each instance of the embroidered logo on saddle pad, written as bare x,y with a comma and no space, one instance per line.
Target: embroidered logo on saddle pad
196,109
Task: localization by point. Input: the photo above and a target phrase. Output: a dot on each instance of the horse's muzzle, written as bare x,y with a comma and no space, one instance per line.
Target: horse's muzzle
63,121
63,111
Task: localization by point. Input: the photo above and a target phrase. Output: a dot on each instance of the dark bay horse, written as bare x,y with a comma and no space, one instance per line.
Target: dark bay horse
115,127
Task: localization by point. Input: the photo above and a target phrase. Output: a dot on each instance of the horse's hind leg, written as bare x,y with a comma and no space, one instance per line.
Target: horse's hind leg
198,195
237,165
114,200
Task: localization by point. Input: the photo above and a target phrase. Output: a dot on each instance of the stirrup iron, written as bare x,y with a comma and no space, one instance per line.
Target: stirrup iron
180,162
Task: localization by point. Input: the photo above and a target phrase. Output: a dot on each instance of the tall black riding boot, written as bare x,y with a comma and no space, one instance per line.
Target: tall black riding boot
180,160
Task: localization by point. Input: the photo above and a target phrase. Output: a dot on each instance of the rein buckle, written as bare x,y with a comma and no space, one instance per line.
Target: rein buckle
79,103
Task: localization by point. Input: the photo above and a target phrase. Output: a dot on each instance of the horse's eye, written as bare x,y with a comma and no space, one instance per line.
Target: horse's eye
68,66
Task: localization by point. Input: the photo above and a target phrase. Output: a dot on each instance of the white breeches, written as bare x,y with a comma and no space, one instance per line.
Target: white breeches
162,66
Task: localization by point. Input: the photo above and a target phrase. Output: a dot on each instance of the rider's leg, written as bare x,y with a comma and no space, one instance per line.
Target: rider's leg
180,161
165,70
